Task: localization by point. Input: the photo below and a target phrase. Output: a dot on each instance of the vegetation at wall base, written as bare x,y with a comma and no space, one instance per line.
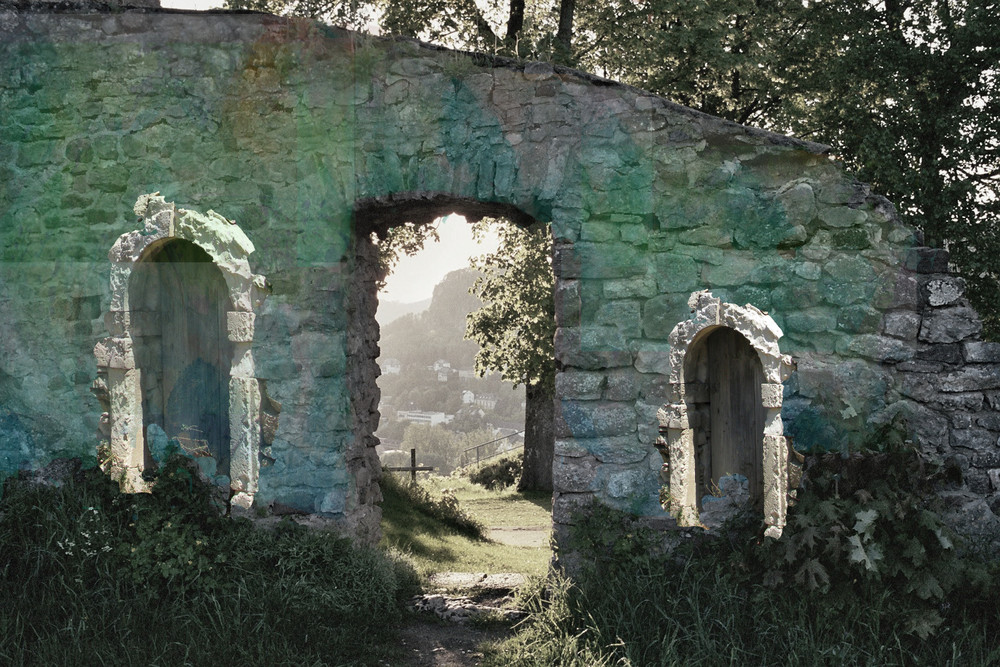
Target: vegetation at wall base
499,473
866,573
92,576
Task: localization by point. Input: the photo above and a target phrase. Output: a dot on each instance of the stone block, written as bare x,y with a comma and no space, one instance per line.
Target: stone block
903,325
799,203
812,319
735,271
772,395
652,357
620,484
240,326
623,315
849,269
591,419
971,378
944,291
567,506
973,438
949,353
580,385
903,291
627,288
981,352
621,385
591,348
675,272
859,319
571,447
950,325
574,474
839,217
662,313
880,348
567,303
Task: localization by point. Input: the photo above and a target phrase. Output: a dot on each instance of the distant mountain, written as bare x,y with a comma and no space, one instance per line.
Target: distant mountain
393,310
421,338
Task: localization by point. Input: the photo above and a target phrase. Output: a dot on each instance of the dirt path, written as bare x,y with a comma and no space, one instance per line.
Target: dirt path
438,631
429,642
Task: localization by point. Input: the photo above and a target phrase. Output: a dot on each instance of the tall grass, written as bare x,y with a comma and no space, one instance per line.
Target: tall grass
735,598
91,576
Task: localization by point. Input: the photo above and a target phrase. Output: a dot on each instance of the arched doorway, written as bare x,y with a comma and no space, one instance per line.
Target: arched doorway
724,412
724,392
180,298
178,361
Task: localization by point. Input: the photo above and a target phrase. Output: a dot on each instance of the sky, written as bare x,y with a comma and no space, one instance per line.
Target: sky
415,277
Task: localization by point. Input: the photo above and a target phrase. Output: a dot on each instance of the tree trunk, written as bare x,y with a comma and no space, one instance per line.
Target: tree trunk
539,438
564,34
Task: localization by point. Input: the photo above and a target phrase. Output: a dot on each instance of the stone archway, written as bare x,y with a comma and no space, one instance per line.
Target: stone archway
706,428
216,251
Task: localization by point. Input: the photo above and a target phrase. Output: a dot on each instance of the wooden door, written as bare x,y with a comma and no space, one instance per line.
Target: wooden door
736,414
195,352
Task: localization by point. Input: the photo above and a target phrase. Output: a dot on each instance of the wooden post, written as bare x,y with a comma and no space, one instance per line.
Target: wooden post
413,464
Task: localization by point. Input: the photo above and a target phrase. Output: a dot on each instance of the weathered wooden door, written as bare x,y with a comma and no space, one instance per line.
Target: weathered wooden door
736,413
195,353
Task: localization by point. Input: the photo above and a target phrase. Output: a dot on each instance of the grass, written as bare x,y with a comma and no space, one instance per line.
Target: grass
436,547
92,576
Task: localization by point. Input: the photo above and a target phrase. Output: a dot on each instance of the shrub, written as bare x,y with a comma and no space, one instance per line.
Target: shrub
865,572
499,474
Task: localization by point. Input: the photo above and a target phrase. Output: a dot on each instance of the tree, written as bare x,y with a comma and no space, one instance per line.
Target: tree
514,329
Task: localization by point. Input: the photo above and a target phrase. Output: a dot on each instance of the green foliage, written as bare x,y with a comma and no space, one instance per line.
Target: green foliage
444,509
401,240
100,577
871,519
499,473
516,324
866,573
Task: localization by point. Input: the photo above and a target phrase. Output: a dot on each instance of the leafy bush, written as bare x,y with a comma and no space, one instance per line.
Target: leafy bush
500,473
101,577
445,509
865,572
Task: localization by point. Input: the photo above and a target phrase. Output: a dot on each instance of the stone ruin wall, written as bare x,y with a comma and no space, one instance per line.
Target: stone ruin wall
288,128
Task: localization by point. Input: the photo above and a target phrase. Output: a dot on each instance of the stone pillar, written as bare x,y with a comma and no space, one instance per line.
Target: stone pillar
244,410
125,390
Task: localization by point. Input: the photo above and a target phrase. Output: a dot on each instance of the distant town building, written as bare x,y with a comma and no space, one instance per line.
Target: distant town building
467,375
468,398
422,417
440,365
488,401
391,367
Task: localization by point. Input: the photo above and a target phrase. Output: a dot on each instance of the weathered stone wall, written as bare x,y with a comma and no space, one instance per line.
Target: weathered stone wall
288,128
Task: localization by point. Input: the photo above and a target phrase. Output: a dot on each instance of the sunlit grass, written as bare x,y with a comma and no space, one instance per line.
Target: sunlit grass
436,548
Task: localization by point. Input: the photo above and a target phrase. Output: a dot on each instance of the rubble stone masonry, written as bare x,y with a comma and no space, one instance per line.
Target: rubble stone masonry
310,138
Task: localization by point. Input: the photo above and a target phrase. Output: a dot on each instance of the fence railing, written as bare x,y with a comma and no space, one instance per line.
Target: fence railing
480,453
